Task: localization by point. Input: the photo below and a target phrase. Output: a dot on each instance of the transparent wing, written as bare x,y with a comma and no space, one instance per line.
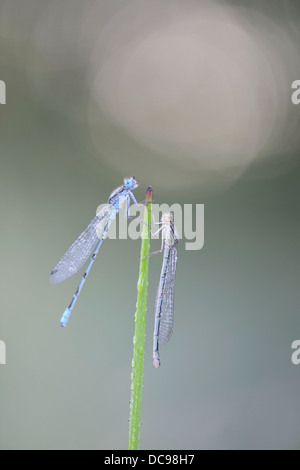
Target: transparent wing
167,307
82,248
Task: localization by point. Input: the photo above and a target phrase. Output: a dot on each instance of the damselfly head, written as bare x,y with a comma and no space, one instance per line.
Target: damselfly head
130,183
167,218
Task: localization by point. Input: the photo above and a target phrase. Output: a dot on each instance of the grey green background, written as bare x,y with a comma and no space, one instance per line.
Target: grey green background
227,380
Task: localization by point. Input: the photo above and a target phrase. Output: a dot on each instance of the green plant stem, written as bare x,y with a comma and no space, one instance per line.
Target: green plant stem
139,334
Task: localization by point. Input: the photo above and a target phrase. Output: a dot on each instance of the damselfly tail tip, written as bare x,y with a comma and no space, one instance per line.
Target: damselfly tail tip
63,322
156,362
64,319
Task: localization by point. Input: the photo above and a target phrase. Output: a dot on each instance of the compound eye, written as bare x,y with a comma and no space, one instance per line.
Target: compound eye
129,183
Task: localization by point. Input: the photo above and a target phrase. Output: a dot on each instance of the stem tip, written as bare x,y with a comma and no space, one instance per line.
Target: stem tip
149,195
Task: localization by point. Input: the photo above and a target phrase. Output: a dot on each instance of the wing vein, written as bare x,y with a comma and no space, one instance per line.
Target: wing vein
82,247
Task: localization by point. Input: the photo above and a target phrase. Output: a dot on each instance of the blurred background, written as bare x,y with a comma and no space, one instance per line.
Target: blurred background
193,98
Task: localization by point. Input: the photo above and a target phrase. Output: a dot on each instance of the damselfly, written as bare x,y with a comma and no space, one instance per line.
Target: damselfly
164,305
90,241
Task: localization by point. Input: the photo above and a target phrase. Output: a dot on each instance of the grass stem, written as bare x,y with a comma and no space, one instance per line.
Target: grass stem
139,334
